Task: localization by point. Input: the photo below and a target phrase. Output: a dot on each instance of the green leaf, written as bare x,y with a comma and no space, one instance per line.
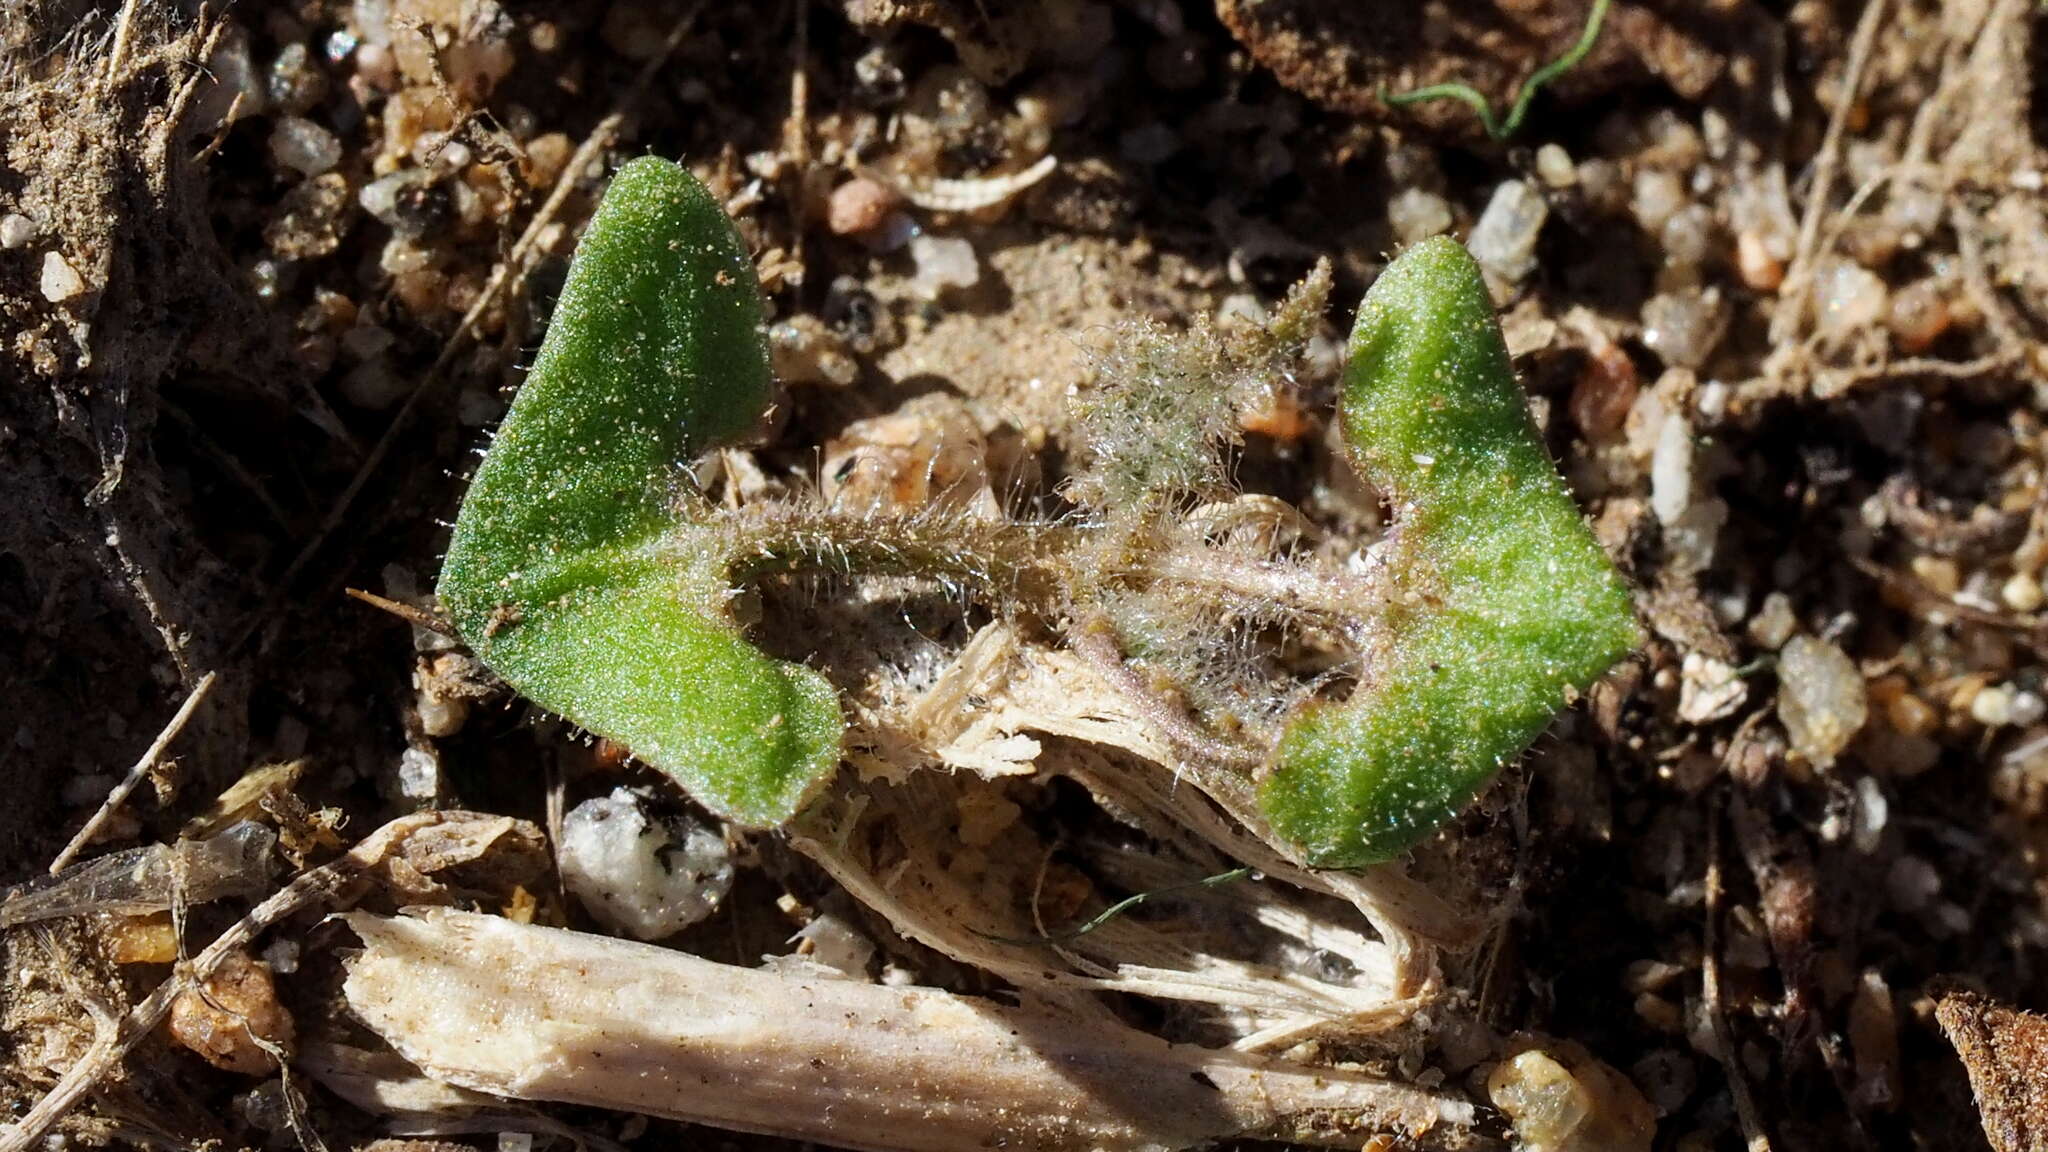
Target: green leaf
574,572
1502,605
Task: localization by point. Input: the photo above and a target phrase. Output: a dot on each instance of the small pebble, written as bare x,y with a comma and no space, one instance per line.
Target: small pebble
878,74
1774,622
1683,327
1566,1101
629,872
1760,271
1651,975
1909,715
860,207
1915,210
310,219
1709,691
1673,141
16,230
1688,236
1555,168
833,943
419,775
1873,812
1711,401
236,1018
805,351
1992,706
1689,543
1918,316
1602,186
1871,241
380,197
943,262
546,156
296,85
464,290
61,281
445,155
475,64
141,939
1821,698
423,291
1938,573
1671,469
1416,215
237,88
2026,709
1658,1013
2021,593
1605,390
408,115
267,278
1658,196
1850,297
400,256
1504,240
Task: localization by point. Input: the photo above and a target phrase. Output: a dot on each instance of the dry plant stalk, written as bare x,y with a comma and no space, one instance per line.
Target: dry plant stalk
546,1014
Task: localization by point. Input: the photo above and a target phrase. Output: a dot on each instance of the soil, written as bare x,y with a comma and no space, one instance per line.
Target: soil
1781,326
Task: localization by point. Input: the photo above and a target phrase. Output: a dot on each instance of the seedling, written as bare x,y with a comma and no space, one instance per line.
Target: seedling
588,571
1501,129
1503,604
577,570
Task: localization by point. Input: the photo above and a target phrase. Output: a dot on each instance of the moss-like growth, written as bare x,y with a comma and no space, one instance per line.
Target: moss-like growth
1503,604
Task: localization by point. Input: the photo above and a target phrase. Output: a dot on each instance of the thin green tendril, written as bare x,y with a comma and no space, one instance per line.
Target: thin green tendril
1465,93
1122,906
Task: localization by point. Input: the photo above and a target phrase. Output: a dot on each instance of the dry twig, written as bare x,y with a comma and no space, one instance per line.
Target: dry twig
1724,1052
120,791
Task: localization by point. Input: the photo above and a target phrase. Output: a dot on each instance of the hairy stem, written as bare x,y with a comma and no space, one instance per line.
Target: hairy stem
1002,563
1042,567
